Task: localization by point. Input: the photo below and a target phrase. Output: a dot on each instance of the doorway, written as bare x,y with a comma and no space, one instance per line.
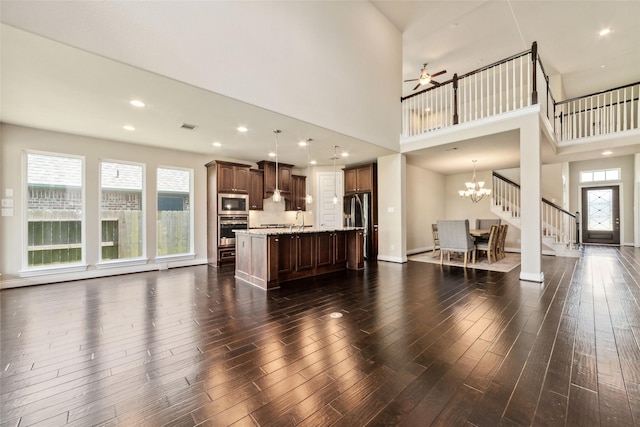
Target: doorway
601,215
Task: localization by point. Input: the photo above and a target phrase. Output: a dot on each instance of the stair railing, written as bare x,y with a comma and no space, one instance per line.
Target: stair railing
556,221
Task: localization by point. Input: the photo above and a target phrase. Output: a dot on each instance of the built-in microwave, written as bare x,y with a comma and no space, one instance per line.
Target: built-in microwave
233,204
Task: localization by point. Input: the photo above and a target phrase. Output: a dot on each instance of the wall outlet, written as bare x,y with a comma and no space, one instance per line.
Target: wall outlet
393,247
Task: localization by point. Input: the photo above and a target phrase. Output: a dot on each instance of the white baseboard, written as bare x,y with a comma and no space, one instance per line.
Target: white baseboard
419,250
392,259
95,273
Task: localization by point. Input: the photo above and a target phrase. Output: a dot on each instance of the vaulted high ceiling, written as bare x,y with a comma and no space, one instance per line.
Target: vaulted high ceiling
69,89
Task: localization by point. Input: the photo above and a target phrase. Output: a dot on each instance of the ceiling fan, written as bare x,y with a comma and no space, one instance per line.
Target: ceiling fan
426,78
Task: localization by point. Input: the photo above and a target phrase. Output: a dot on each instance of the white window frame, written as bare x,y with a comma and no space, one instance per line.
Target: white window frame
604,171
187,255
123,262
28,271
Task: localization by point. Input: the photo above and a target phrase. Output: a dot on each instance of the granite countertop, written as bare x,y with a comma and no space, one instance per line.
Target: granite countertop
294,230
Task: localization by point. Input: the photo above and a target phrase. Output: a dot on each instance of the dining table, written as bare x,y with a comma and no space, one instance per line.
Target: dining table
479,232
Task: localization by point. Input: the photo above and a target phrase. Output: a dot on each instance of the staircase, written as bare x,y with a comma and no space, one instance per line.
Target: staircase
559,228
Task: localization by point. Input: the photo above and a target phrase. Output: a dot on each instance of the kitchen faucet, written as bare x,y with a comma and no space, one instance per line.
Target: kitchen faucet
298,212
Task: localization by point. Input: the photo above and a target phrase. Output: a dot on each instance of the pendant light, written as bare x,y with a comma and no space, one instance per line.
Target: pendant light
308,198
276,193
335,177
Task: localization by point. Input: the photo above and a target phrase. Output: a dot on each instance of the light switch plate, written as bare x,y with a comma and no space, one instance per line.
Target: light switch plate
7,212
8,192
7,203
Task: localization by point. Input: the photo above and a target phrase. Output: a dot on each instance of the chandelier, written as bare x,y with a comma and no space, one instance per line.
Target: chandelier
475,190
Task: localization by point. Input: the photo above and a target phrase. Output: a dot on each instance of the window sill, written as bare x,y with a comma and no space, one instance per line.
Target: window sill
128,262
177,257
43,271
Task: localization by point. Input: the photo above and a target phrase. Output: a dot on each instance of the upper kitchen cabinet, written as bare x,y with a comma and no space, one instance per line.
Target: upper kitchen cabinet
360,179
298,194
256,190
285,177
233,177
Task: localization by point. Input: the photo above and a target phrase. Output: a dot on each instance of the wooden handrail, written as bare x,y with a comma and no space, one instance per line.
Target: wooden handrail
508,181
597,107
596,93
486,67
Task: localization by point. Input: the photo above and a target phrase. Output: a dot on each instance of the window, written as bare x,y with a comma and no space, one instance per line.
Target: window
55,209
173,228
121,210
600,175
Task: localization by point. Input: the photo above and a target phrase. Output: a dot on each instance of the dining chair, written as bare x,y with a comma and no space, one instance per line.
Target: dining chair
436,239
490,246
502,236
454,237
485,224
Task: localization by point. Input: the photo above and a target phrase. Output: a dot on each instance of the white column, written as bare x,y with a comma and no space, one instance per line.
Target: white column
392,230
531,195
636,201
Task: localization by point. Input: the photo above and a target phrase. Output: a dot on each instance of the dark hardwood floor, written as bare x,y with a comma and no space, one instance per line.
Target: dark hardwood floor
417,345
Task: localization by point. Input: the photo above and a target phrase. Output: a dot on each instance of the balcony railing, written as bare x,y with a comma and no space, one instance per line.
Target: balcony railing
602,113
514,83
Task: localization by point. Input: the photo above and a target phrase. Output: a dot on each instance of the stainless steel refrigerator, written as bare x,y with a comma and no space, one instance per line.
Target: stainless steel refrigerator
358,212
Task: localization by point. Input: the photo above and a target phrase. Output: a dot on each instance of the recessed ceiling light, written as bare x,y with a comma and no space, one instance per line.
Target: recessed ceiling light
607,153
345,154
603,66
427,109
605,31
313,162
453,25
217,144
128,127
302,143
137,103
272,154
242,129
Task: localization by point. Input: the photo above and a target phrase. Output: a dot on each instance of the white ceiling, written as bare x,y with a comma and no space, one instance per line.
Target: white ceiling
58,87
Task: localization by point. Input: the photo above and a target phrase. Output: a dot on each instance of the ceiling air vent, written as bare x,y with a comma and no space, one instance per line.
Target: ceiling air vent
188,126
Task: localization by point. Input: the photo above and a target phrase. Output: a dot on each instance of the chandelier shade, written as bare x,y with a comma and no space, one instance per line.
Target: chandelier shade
475,190
276,193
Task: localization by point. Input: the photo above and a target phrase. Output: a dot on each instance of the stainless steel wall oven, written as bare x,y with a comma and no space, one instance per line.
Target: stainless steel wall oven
226,225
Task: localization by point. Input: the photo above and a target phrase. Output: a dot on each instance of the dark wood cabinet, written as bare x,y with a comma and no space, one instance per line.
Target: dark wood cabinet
355,251
266,259
298,193
305,251
286,254
339,247
285,177
325,249
232,178
360,179
256,189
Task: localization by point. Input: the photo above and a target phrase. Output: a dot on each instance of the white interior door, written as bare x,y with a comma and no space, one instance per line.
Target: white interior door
329,214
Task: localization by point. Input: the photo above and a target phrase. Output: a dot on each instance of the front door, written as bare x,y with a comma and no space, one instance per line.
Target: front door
601,215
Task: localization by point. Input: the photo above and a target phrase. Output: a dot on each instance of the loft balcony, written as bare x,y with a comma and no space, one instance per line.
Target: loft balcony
513,84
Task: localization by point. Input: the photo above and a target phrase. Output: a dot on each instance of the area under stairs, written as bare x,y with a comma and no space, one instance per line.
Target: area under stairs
558,226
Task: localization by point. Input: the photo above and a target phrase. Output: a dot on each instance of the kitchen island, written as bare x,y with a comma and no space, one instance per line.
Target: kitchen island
266,257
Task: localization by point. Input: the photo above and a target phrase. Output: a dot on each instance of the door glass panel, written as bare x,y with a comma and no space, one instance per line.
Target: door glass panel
600,210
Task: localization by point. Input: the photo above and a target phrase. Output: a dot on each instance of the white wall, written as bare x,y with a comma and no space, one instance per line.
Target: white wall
16,139
425,205
333,64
